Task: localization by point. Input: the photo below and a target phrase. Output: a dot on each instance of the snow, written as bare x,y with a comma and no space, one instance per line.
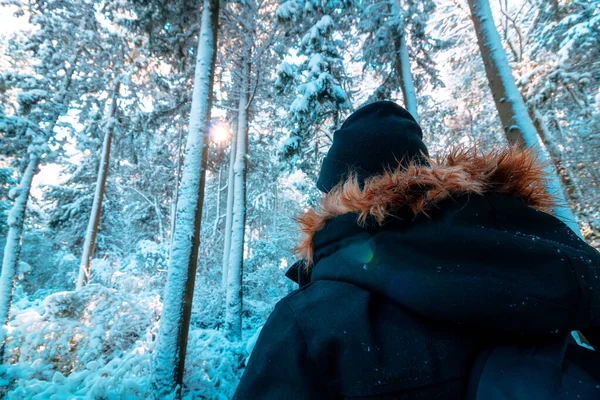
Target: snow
521,118
31,96
12,247
107,340
233,304
166,357
288,10
94,221
408,88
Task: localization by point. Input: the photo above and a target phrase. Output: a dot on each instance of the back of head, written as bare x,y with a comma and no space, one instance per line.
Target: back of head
374,138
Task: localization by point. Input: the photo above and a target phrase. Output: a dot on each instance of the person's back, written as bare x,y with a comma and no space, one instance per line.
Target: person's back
408,275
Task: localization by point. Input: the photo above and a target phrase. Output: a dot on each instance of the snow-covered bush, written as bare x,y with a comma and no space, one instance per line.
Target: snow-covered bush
209,301
213,365
70,330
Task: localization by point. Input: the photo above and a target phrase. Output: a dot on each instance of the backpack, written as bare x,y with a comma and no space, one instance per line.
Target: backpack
561,369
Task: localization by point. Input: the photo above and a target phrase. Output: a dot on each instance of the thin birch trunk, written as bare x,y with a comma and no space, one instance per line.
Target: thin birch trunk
402,63
218,216
176,191
233,309
177,180
12,248
169,356
406,79
161,229
518,126
94,222
229,210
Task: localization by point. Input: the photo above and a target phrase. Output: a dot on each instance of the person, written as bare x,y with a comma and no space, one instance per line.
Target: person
412,266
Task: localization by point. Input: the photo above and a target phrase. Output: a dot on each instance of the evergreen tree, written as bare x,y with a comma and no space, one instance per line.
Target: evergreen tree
315,79
403,25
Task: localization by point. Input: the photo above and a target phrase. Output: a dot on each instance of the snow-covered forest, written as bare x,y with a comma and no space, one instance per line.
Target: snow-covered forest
154,154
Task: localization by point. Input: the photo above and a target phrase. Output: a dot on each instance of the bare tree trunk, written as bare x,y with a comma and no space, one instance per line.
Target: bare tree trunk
94,222
402,63
12,248
169,357
406,80
218,216
161,230
176,188
229,210
233,309
518,126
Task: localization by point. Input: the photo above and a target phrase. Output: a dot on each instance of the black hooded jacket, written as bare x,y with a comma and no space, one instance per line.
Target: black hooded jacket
399,308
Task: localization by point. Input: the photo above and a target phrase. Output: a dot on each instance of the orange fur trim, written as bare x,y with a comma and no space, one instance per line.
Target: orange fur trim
511,171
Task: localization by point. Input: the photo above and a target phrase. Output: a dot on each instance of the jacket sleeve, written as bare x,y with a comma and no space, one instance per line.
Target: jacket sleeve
279,366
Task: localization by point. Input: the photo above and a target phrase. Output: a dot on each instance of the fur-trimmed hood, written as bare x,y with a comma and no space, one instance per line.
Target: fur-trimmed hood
511,171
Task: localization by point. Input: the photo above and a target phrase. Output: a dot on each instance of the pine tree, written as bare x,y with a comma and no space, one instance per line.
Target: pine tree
396,35
316,85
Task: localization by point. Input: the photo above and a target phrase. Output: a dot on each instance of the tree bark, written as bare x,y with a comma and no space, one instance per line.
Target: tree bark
402,63
233,310
176,189
218,216
406,79
12,248
518,126
94,222
229,210
169,357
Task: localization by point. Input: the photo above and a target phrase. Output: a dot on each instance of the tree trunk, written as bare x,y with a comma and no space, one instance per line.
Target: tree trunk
518,126
402,63
12,248
169,356
229,210
176,188
94,222
218,216
406,79
159,217
233,309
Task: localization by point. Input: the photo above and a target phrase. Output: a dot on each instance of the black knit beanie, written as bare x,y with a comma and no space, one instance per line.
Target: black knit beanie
375,137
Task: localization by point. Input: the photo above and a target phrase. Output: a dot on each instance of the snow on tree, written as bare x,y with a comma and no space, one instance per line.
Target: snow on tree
169,358
316,80
229,209
42,99
551,44
12,247
396,35
233,305
101,340
517,124
92,230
